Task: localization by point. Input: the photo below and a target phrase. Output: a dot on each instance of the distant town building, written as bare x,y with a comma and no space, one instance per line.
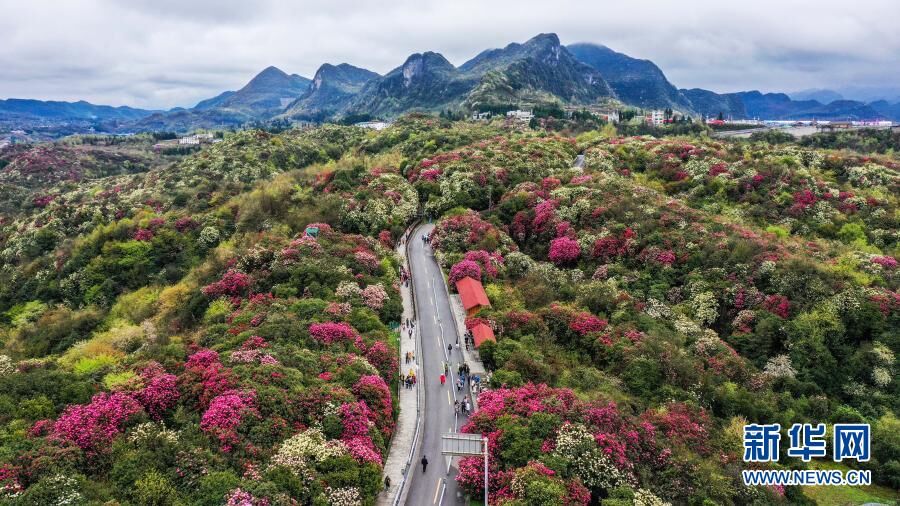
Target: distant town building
610,116
481,116
656,117
374,125
195,139
520,115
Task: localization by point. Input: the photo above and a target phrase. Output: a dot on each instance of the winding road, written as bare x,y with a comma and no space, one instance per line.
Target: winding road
437,326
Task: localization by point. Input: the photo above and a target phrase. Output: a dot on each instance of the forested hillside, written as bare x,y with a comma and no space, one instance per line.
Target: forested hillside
172,335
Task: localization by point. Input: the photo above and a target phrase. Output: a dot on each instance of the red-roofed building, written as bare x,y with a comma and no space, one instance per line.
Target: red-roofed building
482,333
472,295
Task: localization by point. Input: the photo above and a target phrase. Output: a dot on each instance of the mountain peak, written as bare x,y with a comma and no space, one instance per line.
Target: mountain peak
343,73
421,63
270,72
543,39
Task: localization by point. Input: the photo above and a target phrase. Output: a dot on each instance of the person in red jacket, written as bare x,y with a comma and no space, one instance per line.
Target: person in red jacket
443,379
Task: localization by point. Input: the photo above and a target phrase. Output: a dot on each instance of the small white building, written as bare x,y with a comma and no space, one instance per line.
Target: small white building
610,116
481,116
656,117
191,140
374,125
519,115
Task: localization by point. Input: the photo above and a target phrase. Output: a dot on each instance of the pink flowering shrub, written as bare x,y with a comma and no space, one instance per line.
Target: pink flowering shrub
367,260
382,357
465,268
92,427
240,497
544,216
374,296
487,261
372,390
888,262
331,332
564,250
160,393
202,359
225,414
356,418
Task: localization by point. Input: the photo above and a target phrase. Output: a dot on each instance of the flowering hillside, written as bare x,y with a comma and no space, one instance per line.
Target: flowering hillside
172,335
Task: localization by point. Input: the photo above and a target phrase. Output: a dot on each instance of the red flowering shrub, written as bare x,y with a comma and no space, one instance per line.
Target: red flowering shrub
143,234
564,250
233,283
607,248
465,268
185,223
778,305
93,426
585,323
383,358
683,425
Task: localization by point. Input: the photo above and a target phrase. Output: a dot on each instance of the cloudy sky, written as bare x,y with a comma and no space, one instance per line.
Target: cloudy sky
165,53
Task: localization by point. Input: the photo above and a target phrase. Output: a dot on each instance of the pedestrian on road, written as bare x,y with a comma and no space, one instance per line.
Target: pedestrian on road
443,379
407,322
456,407
410,333
449,349
468,406
459,384
424,463
387,482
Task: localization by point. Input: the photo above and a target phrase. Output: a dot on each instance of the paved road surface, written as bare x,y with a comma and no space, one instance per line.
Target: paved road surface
435,486
579,162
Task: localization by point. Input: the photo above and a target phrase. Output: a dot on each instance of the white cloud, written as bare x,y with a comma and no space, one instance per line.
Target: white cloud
163,53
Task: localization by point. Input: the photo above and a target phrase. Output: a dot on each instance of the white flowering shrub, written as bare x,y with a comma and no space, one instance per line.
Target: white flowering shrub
389,200
209,236
309,446
7,366
518,264
576,445
644,497
780,367
347,496
705,306
872,174
152,432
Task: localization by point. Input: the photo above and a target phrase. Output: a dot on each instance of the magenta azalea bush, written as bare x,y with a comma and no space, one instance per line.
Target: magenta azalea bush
94,426
466,268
